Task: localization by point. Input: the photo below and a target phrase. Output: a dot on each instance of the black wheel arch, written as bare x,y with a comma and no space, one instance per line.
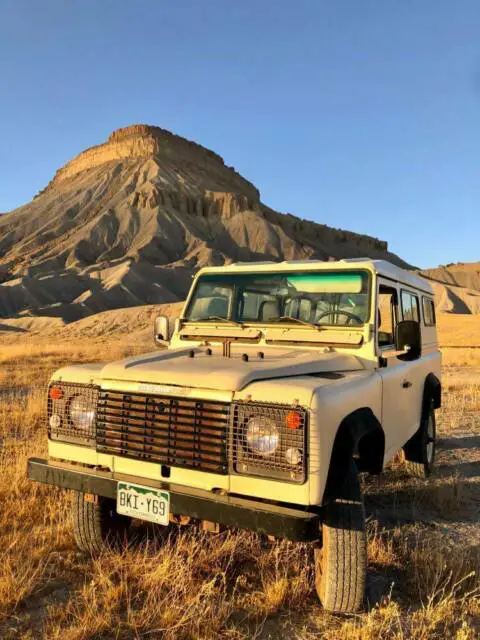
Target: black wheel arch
359,437
432,390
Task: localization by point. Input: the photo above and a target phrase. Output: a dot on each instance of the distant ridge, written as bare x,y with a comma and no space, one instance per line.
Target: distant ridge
128,222
457,287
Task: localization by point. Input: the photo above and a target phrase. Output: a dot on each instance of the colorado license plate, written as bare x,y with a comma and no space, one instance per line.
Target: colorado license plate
144,503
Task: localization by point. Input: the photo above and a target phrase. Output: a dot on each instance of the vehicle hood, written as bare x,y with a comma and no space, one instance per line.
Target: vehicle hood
196,368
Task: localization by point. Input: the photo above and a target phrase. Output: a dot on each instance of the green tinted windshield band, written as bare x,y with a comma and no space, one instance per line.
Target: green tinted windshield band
314,282
327,282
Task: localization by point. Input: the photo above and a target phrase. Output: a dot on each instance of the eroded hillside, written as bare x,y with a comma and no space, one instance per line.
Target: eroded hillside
128,222
456,286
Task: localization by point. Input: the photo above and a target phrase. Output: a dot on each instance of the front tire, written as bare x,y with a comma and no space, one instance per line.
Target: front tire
341,563
420,449
96,523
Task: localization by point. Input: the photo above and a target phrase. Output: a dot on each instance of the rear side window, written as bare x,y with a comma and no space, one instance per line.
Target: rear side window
428,312
410,306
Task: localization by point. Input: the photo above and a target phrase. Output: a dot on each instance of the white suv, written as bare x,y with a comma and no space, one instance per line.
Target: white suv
280,383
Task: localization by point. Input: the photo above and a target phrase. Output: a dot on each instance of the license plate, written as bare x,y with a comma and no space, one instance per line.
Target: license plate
144,503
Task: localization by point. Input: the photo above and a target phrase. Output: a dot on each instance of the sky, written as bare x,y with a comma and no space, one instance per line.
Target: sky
360,114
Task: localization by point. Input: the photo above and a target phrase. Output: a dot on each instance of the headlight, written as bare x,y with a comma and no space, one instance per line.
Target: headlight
269,441
81,414
72,412
262,436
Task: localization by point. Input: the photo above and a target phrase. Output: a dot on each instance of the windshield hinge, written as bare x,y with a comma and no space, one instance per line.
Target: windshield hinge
227,349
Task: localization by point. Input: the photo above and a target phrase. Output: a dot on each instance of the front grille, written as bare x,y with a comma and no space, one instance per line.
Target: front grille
179,432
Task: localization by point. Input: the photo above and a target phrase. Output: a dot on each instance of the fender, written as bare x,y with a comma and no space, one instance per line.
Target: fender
432,390
360,436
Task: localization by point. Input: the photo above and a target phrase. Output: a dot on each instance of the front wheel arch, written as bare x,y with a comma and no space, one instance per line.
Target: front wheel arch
359,437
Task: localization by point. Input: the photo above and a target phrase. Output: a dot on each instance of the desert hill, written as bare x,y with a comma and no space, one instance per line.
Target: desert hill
456,286
133,325
128,222
460,274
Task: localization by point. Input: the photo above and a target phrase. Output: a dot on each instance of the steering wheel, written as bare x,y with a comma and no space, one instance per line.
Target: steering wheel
347,314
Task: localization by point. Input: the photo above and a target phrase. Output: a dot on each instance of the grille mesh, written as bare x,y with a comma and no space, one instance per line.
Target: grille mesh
86,397
180,432
288,460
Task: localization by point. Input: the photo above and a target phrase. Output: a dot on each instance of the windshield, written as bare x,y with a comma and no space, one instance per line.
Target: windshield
320,298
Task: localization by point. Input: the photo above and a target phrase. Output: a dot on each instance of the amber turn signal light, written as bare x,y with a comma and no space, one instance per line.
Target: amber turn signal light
293,420
56,393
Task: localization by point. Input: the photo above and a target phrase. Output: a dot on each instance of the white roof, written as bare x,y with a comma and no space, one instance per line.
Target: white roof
380,267
389,270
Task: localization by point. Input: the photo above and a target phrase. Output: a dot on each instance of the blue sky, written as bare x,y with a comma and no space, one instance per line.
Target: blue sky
359,114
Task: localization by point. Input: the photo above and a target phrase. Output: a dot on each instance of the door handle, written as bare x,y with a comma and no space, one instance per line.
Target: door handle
406,384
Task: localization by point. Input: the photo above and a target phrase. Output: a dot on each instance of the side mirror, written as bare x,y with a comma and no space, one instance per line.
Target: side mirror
409,339
161,331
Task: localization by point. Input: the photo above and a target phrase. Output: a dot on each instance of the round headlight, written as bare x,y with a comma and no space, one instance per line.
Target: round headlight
262,436
81,415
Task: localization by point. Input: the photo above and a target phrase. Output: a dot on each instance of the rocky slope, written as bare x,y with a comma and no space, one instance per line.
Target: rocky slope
457,287
128,222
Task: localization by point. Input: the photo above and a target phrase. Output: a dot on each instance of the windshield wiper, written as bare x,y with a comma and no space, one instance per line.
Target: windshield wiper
290,319
219,319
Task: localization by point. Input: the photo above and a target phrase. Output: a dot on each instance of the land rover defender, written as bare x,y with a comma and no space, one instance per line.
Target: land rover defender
279,384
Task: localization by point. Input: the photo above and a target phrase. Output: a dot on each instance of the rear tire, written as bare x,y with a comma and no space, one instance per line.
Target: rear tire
420,449
96,524
341,563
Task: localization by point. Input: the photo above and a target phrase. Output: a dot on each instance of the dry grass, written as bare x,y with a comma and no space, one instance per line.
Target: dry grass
191,585
459,336
460,330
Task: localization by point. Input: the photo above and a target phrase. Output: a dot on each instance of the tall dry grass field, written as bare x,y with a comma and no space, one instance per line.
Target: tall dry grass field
459,336
423,545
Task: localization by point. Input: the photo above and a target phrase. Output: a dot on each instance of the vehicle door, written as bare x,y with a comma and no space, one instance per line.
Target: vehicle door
398,382
410,303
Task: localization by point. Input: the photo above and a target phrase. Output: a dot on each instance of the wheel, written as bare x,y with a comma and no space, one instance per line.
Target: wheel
341,563
96,524
420,449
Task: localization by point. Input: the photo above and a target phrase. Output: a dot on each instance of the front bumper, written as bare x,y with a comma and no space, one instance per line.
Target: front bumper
242,513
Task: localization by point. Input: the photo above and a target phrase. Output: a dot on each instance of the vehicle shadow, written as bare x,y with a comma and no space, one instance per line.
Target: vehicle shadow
449,493
459,442
455,500
446,506
462,469
10,329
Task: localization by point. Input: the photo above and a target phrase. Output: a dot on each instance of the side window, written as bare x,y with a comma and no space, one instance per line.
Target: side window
386,316
428,312
415,309
410,306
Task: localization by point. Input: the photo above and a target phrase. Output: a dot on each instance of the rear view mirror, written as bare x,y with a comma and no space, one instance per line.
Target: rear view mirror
162,330
409,339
